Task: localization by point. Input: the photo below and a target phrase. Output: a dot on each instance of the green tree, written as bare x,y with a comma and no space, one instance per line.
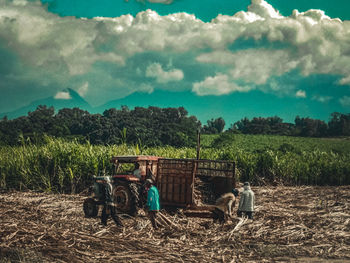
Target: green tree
214,126
308,127
339,125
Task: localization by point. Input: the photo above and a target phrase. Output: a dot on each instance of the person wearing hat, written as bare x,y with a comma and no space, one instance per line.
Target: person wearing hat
152,202
108,206
246,202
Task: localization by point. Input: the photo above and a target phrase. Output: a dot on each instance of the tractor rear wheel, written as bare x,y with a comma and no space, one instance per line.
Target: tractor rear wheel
90,207
126,198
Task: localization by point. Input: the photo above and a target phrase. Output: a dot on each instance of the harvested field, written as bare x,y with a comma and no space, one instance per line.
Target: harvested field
292,224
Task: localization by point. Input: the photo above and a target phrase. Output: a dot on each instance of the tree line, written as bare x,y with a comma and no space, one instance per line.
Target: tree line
338,125
152,126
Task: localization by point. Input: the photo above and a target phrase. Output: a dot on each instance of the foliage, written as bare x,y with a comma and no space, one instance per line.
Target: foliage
214,126
310,128
339,125
152,126
68,166
223,140
270,125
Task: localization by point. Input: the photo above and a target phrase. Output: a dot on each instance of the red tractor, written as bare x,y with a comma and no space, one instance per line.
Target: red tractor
126,184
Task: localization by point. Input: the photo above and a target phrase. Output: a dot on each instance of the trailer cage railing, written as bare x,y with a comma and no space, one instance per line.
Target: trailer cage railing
176,178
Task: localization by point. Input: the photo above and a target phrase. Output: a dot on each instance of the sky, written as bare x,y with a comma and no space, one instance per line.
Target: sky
237,57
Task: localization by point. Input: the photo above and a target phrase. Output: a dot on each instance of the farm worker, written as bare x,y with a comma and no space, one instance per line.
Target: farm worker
235,192
137,171
223,207
152,202
149,173
246,202
108,206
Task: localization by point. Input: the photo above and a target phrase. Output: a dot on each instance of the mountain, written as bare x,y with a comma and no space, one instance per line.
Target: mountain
73,99
231,107
194,104
157,98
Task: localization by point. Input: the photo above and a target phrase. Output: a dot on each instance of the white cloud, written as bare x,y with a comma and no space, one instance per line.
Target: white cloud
252,65
345,101
83,89
323,99
218,85
62,95
155,70
147,88
68,47
19,2
345,81
166,2
300,94
317,43
263,9
46,40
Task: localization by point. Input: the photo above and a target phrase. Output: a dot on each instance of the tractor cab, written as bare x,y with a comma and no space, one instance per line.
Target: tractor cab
134,168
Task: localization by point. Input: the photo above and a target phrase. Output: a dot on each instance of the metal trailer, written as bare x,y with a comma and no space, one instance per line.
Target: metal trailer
176,179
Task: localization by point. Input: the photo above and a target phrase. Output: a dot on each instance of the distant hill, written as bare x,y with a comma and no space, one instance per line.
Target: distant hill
75,100
203,107
231,107
157,98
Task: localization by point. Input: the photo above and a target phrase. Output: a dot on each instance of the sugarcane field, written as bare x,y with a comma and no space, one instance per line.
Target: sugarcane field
57,206
291,224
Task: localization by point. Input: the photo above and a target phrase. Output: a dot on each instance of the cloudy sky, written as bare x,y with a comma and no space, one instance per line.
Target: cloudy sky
241,51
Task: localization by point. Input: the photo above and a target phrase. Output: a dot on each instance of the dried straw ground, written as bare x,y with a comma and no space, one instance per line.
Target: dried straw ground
292,224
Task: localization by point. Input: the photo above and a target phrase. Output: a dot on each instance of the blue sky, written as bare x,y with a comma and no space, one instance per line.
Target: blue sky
238,58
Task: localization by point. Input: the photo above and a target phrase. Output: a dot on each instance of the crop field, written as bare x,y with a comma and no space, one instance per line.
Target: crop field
291,224
302,206
67,167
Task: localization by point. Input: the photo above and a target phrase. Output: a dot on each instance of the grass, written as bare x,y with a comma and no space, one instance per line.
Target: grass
254,143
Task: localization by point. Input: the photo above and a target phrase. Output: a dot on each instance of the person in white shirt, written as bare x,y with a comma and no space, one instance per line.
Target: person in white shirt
246,202
137,171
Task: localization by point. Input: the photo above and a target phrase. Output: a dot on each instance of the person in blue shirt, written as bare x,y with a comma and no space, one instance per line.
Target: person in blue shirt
152,202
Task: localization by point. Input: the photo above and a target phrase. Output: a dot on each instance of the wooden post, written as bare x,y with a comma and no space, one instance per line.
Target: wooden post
198,143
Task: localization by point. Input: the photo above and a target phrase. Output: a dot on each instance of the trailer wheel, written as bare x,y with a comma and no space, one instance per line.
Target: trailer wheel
90,207
126,198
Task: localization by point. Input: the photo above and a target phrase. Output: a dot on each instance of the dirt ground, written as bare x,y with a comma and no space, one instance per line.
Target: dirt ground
291,224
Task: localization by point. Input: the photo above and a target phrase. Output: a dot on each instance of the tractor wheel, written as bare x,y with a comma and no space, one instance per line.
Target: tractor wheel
90,207
134,188
126,198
